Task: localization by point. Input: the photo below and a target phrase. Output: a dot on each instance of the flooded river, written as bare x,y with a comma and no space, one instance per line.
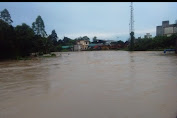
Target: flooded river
90,84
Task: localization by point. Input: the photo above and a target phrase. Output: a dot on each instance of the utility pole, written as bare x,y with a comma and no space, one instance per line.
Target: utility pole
176,38
131,28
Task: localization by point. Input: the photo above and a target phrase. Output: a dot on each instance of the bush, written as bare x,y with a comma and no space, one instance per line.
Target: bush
53,55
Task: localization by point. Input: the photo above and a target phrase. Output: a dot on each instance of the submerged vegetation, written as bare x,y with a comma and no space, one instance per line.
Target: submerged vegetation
49,55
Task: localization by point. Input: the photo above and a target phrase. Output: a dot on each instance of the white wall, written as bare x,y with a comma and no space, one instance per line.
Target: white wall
168,30
175,29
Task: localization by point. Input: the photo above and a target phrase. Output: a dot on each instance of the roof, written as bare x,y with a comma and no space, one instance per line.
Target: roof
65,47
93,44
97,46
83,40
172,25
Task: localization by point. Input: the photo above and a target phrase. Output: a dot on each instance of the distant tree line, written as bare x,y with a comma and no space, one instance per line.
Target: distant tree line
22,40
156,43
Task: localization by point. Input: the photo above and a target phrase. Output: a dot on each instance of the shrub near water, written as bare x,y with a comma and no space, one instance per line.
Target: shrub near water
53,55
49,55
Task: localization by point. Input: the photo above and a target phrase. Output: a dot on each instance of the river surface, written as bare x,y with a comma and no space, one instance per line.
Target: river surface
90,84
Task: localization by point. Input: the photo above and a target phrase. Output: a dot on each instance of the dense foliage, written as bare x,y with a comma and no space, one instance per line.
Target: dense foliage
156,43
22,40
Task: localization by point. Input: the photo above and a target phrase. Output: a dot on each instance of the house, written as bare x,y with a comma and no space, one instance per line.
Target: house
94,45
77,47
116,46
97,47
82,45
105,42
105,47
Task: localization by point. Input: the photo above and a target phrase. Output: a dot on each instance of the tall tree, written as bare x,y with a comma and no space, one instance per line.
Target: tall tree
86,38
66,41
5,16
24,38
94,38
120,42
7,37
39,27
53,37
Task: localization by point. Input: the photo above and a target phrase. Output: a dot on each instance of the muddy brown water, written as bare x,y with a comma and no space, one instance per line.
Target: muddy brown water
95,84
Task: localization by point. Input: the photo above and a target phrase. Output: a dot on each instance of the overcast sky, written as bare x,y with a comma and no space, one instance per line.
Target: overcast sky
106,20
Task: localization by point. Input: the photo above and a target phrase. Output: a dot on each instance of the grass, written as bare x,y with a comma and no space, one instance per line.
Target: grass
23,58
50,55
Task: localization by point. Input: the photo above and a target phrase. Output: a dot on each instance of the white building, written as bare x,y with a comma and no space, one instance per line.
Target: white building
147,35
77,47
170,29
166,29
81,45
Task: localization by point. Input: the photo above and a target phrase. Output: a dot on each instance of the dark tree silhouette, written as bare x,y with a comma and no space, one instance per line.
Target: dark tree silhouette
5,16
39,27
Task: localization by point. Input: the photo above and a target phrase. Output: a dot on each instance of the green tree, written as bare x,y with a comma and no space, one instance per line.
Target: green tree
53,37
120,42
94,39
24,37
67,41
47,45
5,16
38,44
86,38
39,27
156,43
7,37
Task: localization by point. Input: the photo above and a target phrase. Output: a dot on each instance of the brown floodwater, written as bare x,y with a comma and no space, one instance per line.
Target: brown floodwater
90,84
